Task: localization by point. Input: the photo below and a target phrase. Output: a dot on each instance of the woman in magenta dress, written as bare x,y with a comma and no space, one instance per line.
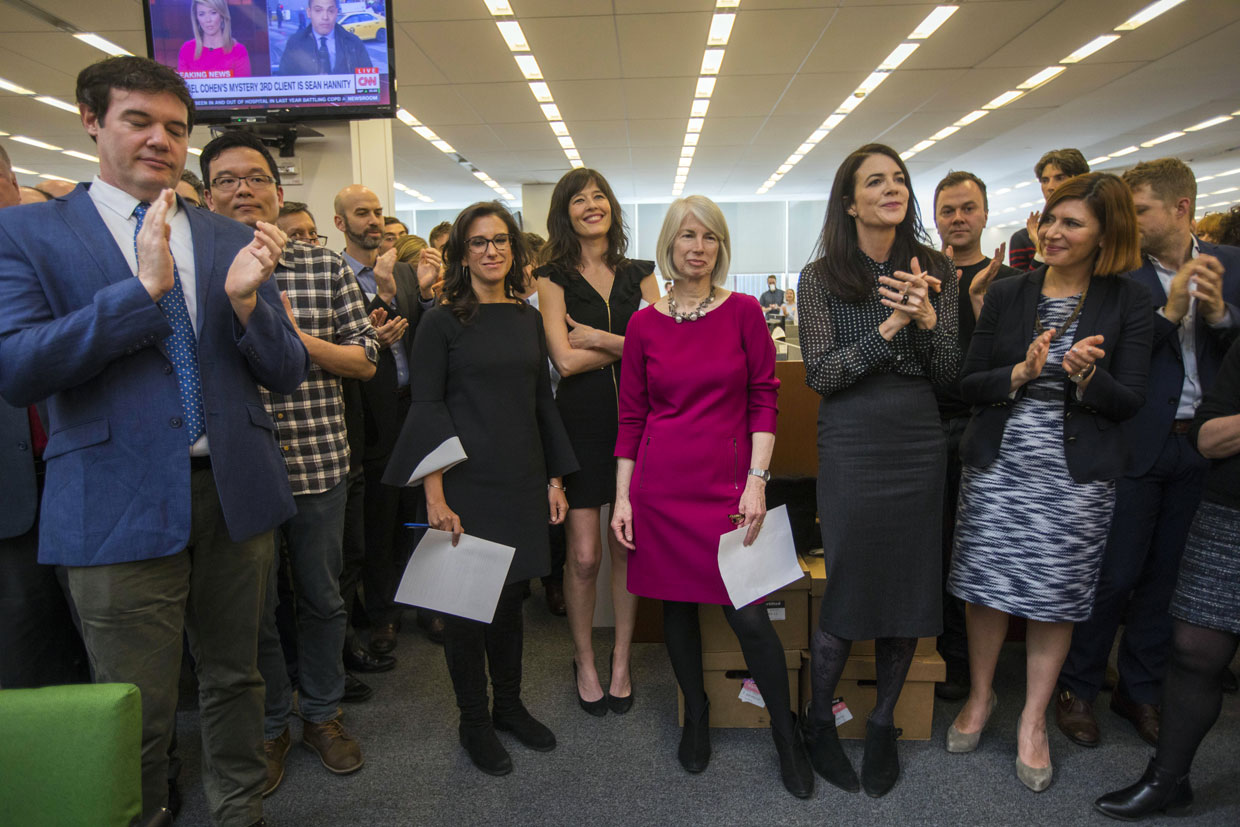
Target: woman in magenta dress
213,48
696,431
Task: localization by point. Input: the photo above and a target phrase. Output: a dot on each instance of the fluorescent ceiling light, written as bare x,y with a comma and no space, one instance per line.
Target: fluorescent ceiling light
566,142
1003,191
932,22
691,138
1207,124
920,146
1097,44
832,121
529,67
1101,159
705,87
482,176
945,132
102,44
57,102
1004,99
73,153
700,105
51,177
551,112
975,115
804,148
1022,184
559,127
712,59
794,158
498,6
8,86
695,125
872,82
1162,139
23,171
1147,14
1228,172
572,154
1225,190
687,151
513,36
849,104
399,186
426,132
1201,179
406,117
1041,77
34,142
443,146
1128,150
906,154
816,136
542,92
720,29
577,163
898,55
193,150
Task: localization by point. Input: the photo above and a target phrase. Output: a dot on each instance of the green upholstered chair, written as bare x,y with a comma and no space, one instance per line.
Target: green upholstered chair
71,755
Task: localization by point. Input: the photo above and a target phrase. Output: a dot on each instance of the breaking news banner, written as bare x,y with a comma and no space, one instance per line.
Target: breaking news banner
361,87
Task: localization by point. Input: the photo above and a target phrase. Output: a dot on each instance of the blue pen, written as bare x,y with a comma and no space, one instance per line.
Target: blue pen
417,525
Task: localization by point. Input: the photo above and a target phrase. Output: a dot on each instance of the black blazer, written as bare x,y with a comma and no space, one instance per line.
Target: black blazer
19,499
384,412
301,53
1116,307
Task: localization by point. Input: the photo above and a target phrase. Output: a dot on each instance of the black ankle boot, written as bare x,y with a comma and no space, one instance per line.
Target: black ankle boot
794,766
515,718
694,752
485,750
1158,791
880,766
826,754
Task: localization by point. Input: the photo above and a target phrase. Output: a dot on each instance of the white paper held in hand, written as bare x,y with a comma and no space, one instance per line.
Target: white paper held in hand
752,572
464,580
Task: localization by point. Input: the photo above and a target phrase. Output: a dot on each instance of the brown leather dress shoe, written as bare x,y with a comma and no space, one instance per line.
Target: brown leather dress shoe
1143,716
275,749
336,748
1075,719
383,639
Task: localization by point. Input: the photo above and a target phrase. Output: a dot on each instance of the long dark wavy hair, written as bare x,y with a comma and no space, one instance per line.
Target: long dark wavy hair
838,255
563,249
458,288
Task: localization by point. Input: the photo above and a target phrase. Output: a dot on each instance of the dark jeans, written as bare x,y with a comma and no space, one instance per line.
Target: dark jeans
953,644
388,543
470,646
313,538
1153,514
353,546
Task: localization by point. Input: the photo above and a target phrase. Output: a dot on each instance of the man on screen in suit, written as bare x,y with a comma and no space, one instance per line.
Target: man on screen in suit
148,327
324,47
1196,294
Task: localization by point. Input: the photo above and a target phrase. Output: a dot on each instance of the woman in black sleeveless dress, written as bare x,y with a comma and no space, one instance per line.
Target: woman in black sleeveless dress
587,291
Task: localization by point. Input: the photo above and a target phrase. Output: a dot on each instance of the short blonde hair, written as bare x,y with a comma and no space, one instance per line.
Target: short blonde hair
409,248
707,212
221,7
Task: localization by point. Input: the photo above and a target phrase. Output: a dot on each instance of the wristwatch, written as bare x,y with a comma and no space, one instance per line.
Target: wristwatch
761,474
1078,378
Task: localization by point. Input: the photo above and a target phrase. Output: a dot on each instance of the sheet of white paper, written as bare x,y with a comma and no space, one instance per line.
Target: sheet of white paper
753,572
449,453
464,581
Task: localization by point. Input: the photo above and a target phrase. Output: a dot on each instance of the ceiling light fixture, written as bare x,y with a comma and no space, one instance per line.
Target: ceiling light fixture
9,86
1051,72
510,29
102,44
928,26
35,142
1207,124
57,102
73,153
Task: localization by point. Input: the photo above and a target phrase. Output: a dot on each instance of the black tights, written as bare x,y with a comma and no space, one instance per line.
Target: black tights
764,655
829,654
1192,693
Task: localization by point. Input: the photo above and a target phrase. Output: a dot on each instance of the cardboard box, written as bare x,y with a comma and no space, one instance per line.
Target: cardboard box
725,674
788,609
817,586
858,689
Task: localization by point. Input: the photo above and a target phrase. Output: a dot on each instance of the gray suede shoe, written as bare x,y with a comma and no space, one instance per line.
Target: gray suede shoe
958,741
1035,778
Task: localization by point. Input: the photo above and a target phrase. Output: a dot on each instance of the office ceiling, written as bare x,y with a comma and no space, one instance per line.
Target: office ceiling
623,74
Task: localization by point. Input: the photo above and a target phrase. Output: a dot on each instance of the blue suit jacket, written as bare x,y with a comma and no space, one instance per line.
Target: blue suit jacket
77,329
1147,432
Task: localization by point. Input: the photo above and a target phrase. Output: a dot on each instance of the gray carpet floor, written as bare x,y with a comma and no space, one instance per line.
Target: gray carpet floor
622,770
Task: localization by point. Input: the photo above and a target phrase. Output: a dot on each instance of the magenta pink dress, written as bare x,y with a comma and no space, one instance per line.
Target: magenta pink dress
691,395
235,60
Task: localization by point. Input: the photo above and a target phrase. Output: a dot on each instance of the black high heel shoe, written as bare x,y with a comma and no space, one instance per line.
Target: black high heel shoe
616,703
596,708
1157,792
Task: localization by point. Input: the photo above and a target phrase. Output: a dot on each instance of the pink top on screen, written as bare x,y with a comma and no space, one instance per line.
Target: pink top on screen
236,59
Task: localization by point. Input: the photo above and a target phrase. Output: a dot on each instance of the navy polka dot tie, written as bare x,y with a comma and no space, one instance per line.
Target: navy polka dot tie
181,345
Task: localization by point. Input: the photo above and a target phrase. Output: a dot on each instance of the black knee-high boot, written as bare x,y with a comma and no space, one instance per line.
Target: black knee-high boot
465,651
505,640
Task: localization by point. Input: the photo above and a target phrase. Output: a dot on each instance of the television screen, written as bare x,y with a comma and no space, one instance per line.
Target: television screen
263,60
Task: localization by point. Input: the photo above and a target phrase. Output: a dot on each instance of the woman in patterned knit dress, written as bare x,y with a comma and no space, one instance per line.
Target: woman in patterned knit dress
1059,356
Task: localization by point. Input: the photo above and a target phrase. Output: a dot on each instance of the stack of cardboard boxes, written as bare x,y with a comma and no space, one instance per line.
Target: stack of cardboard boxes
794,613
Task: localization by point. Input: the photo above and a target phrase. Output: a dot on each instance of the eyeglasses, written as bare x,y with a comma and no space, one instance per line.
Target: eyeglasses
227,183
309,238
478,244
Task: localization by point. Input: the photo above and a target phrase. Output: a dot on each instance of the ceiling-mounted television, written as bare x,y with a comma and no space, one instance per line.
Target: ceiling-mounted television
260,61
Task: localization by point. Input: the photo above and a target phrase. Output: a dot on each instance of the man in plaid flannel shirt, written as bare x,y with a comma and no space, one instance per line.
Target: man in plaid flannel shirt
326,306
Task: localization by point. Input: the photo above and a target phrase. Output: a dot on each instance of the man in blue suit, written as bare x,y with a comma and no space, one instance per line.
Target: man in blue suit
1196,290
148,327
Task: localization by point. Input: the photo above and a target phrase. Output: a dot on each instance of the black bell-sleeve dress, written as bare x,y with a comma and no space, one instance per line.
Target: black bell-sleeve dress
483,413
